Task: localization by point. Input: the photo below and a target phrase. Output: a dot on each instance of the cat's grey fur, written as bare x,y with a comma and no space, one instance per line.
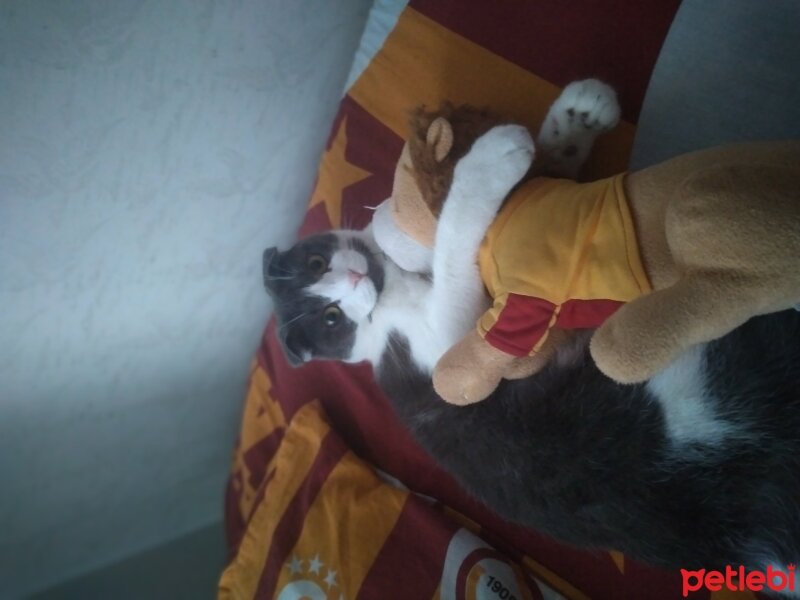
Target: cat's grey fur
573,454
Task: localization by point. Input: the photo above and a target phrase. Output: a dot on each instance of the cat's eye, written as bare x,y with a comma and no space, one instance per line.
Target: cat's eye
316,264
332,315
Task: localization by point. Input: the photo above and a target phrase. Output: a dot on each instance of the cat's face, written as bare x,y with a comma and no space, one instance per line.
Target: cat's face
323,288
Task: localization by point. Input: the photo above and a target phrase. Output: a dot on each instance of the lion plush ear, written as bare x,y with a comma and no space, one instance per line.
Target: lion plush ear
437,140
440,138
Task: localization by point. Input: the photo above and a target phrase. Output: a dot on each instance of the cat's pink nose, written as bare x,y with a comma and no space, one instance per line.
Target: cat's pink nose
354,276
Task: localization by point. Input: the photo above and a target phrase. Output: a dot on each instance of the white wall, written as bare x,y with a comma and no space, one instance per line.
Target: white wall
727,72
149,150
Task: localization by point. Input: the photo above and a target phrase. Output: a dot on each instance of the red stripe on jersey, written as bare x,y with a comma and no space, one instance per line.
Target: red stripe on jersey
521,324
586,314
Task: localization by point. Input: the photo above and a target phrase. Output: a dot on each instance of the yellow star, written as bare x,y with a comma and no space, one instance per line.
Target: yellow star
619,560
336,174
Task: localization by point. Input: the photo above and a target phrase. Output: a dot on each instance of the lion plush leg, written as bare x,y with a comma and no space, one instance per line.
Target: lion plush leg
733,230
646,335
470,370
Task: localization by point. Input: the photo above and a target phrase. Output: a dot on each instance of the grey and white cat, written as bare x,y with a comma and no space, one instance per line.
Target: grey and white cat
352,293
699,467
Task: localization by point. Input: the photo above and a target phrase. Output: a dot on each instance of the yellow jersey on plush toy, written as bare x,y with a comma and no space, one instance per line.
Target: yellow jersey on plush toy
559,254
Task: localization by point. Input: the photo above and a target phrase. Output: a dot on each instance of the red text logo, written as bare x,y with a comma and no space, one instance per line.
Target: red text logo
739,580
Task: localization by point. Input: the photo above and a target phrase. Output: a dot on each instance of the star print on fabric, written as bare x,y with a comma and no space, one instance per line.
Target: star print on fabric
295,566
314,565
619,560
331,578
336,174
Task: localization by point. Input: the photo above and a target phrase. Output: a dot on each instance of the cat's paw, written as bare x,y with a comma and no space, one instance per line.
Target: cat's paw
588,104
584,110
496,162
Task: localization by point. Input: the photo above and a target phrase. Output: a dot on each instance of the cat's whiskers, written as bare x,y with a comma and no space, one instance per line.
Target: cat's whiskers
284,274
280,278
396,359
281,269
290,321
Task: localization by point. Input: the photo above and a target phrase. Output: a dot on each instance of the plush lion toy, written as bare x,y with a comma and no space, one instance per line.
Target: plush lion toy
658,260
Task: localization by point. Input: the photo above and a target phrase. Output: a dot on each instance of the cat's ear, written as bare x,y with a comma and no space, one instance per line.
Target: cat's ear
269,276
